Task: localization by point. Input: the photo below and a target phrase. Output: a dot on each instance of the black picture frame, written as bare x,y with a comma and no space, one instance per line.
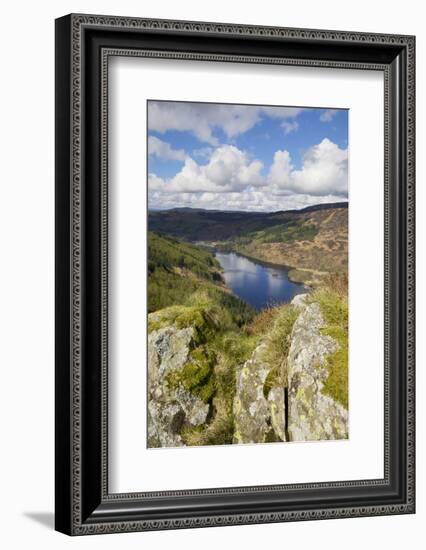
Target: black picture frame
83,45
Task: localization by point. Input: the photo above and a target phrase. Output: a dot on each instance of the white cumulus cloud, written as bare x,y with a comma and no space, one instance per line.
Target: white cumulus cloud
324,171
233,180
253,200
163,150
202,119
229,169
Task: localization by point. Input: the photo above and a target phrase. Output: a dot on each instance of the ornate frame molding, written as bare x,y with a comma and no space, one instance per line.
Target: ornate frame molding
74,502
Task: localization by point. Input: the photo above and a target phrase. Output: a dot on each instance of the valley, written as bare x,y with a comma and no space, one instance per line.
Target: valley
239,349
312,243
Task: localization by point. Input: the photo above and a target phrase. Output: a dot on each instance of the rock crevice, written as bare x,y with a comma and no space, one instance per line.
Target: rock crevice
261,412
257,419
311,415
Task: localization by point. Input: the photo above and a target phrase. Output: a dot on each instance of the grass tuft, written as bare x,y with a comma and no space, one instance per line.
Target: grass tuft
263,321
277,347
333,302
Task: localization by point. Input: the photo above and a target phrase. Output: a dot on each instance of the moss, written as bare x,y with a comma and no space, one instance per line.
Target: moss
334,307
230,349
236,347
336,384
206,391
163,318
219,346
202,320
300,394
197,375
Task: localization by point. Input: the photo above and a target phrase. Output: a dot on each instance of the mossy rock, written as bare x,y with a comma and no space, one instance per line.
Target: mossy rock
334,308
198,318
197,375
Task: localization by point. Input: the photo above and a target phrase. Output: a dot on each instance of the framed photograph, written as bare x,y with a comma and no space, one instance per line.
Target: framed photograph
234,274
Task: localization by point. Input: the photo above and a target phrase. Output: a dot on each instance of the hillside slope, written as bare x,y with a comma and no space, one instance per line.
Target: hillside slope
282,378
312,241
182,274
314,246
194,224
220,373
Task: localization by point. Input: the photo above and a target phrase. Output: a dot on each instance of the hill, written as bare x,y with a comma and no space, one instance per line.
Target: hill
182,274
195,224
313,241
313,245
220,373
283,377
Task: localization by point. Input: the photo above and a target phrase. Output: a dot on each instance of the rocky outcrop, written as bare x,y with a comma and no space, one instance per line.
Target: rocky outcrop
268,405
312,415
257,419
170,408
276,402
299,301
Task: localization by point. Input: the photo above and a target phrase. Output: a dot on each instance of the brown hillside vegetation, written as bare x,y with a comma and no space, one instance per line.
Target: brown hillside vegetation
313,242
311,258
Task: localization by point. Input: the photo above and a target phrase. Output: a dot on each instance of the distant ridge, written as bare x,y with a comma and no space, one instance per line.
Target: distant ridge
323,206
313,208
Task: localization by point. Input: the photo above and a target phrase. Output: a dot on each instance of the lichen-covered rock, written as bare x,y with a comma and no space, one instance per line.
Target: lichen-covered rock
312,415
277,411
254,415
299,301
170,408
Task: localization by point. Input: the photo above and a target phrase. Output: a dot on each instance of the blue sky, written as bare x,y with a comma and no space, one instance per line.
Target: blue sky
243,157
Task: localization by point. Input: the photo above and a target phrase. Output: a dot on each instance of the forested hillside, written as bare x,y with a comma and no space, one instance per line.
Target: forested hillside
313,242
180,273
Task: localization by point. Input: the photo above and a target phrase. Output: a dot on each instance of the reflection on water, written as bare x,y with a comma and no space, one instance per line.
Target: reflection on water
257,284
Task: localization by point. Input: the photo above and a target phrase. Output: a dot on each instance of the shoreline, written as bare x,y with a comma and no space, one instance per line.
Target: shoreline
265,263
292,271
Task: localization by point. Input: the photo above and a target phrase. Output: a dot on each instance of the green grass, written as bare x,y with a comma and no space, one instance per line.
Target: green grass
230,309
287,232
282,233
197,376
334,307
221,342
277,347
184,274
185,290
167,253
204,320
166,288
230,349
175,270
263,321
